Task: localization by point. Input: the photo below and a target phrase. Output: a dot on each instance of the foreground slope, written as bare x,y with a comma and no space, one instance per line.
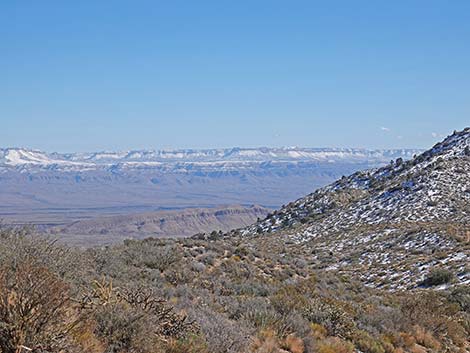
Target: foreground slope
218,295
392,225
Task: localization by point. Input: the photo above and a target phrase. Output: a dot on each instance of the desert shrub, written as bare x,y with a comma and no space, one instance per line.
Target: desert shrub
293,323
406,340
435,314
160,257
208,258
260,314
221,334
133,319
240,307
379,318
252,288
330,315
437,277
334,345
23,245
318,331
198,266
150,254
461,296
367,343
35,309
265,342
425,338
262,317
122,328
192,344
241,251
293,344
179,275
288,298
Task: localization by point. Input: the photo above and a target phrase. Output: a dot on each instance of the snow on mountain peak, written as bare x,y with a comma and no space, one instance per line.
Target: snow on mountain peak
28,158
14,157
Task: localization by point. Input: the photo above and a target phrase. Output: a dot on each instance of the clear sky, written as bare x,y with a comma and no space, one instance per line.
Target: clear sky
115,75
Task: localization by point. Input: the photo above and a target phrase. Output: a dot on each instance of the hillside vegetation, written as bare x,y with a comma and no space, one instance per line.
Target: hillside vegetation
219,295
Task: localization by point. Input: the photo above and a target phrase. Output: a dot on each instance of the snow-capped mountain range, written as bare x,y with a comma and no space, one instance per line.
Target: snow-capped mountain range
53,187
232,158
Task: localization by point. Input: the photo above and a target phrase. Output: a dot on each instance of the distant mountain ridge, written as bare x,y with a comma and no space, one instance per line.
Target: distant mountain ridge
31,159
56,188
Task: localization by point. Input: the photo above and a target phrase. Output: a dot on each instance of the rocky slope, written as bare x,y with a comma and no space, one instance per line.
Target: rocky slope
390,225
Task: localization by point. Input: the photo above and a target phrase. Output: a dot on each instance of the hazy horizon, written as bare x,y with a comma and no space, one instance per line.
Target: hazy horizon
435,138
209,149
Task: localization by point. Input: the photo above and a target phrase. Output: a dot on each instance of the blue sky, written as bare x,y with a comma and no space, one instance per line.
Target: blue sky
116,75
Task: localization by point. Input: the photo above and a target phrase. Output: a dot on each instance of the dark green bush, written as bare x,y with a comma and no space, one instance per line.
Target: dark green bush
437,277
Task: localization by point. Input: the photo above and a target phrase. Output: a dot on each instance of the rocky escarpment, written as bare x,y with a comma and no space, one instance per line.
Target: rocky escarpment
174,223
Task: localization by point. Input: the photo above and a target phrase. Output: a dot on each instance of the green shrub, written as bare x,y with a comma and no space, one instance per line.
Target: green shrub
437,277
